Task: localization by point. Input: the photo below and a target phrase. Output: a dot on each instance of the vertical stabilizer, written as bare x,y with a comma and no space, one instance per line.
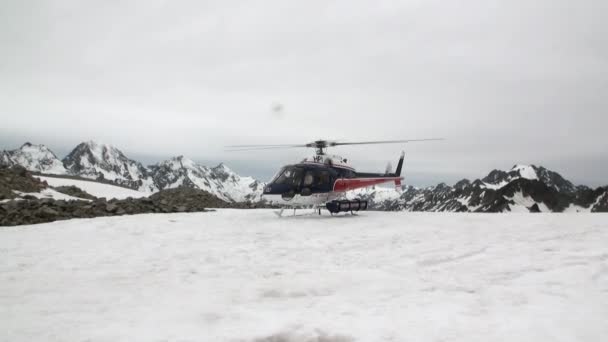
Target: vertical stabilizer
398,171
400,164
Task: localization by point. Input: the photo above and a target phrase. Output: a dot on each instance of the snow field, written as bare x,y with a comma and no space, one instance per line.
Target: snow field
95,188
245,275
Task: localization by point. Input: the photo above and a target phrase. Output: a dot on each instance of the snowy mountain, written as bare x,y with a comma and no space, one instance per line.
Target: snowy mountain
497,178
219,180
105,162
524,188
38,158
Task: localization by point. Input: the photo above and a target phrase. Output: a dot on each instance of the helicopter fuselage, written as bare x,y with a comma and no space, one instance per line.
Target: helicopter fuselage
313,183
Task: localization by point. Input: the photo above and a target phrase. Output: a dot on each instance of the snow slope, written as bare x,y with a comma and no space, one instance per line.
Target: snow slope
95,188
48,193
248,276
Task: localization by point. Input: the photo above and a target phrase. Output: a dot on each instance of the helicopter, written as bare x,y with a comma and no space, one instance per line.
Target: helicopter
321,181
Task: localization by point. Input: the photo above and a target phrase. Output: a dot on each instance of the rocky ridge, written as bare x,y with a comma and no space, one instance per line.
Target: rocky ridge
18,209
524,188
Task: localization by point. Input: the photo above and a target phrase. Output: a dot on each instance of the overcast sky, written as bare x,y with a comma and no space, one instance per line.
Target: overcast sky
506,82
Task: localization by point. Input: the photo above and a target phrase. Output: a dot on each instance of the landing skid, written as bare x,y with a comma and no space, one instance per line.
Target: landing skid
316,211
279,213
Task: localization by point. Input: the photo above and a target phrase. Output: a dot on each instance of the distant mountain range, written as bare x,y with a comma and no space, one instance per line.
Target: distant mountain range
524,188
104,162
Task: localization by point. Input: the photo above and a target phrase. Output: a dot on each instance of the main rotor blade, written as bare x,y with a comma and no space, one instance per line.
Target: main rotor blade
265,148
382,142
247,146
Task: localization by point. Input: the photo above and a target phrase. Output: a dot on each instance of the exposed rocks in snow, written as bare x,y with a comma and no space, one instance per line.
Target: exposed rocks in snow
74,191
17,178
601,202
31,210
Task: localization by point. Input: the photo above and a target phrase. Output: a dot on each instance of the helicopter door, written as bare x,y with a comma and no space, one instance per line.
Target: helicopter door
307,183
294,181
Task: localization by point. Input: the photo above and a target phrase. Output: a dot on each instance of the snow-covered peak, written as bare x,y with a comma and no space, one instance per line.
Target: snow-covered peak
38,158
220,180
221,167
102,161
525,171
498,179
101,152
225,173
178,162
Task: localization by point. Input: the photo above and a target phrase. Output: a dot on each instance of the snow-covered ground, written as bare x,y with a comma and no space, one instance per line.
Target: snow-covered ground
95,188
50,193
246,275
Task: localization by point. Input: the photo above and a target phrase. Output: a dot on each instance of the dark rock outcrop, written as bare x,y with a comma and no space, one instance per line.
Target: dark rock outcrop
17,178
74,191
19,212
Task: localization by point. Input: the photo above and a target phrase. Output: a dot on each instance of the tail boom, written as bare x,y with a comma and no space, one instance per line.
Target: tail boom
347,184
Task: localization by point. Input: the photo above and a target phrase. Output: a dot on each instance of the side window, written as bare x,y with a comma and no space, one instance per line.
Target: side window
297,177
323,178
345,173
308,178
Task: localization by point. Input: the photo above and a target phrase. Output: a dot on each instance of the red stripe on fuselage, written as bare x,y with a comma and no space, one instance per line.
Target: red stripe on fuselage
347,184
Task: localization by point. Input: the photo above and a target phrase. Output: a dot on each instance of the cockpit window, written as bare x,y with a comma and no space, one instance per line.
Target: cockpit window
289,175
323,178
283,176
308,178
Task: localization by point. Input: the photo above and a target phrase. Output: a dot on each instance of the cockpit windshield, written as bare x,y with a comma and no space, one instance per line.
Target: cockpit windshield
289,175
293,179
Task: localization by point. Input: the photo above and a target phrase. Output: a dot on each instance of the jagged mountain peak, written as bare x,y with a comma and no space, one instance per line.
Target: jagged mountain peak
462,184
527,188
97,160
525,171
38,158
219,180
554,180
499,178
179,162
101,151
224,172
